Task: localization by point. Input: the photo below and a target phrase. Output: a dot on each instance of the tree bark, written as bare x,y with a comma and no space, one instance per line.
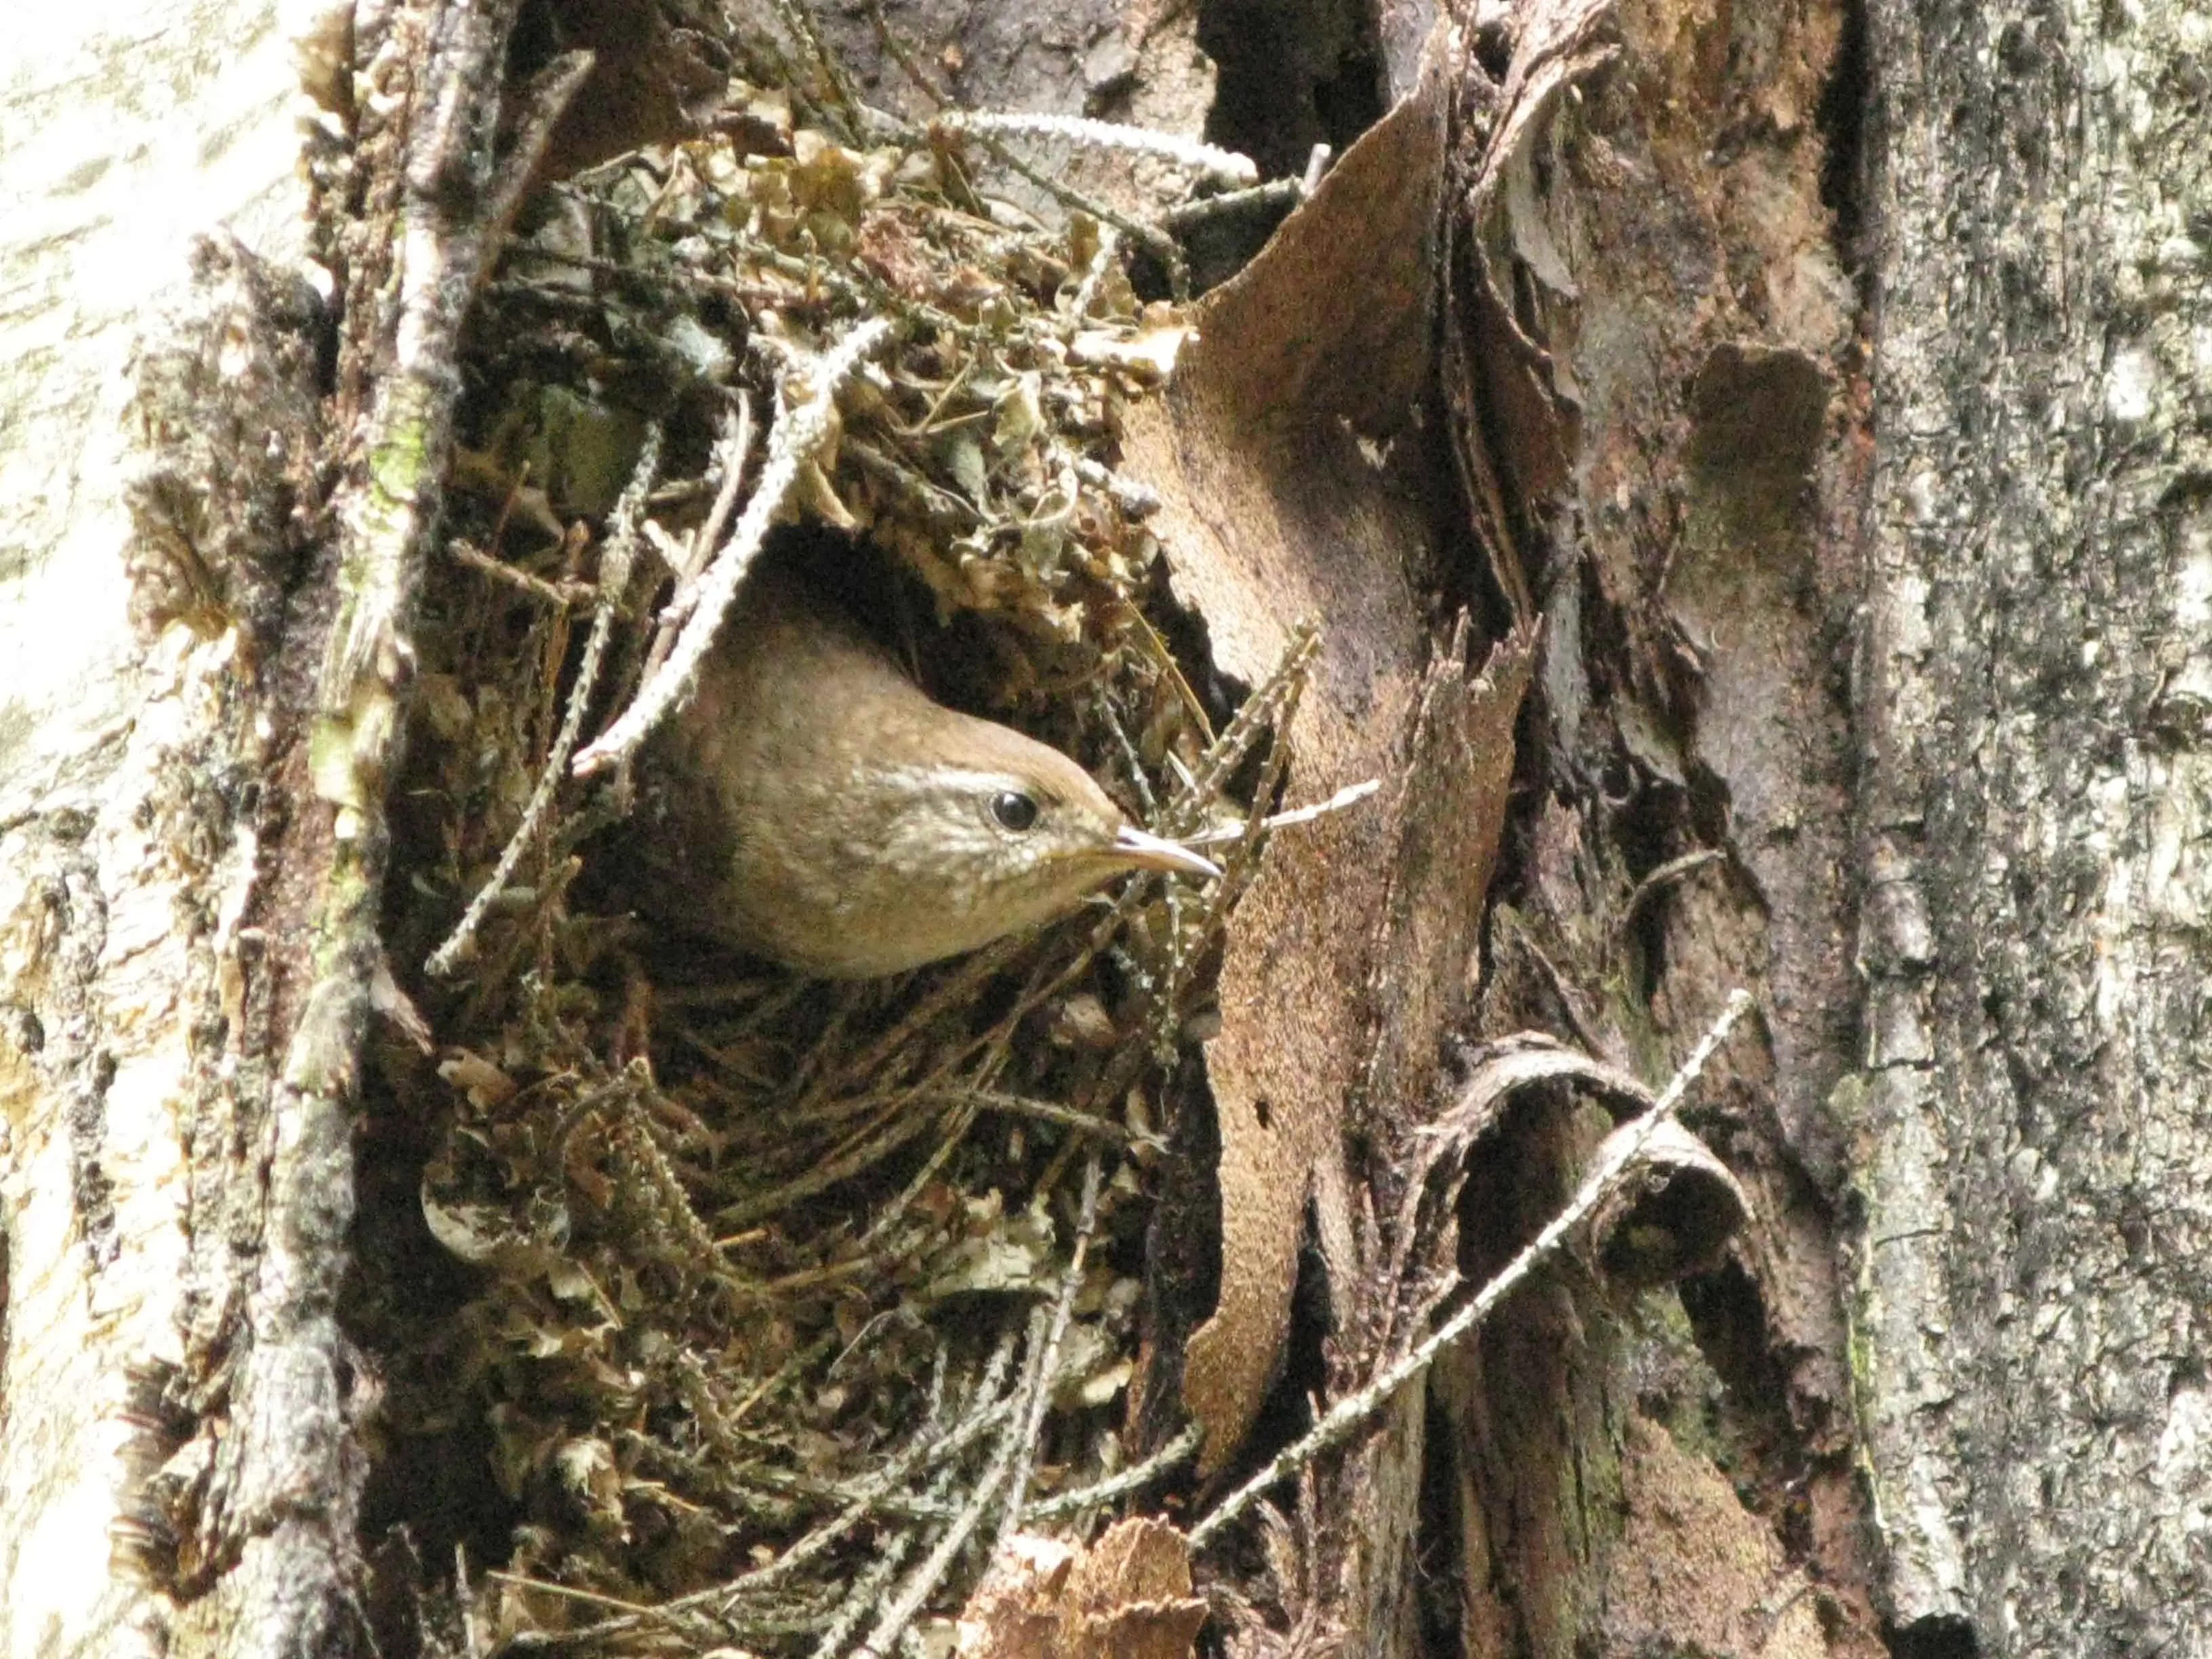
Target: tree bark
130,749
2030,1303
1840,371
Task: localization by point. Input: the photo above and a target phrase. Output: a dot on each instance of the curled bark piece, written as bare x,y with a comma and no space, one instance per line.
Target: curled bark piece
1673,1216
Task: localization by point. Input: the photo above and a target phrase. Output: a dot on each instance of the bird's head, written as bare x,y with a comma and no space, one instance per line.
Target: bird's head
991,832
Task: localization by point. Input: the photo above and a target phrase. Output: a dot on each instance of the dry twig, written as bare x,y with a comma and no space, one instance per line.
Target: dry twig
1343,1419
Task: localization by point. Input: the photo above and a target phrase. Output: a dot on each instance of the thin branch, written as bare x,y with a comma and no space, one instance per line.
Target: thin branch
1028,1106
1276,192
1048,1367
1653,884
614,582
538,110
1350,795
1117,1487
868,1496
1094,277
798,436
1347,1415
1215,163
402,351
733,443
560,595
1154,240
799,20
868,1588
882,1640
903,55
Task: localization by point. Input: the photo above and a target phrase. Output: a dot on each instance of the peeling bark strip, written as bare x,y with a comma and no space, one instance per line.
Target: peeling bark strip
1273,515
2032,1123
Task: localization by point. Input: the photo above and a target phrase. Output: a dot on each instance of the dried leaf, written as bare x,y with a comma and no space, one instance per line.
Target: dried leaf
1283,500
1128,1597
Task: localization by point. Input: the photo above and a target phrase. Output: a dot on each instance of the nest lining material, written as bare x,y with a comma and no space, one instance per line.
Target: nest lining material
783,1289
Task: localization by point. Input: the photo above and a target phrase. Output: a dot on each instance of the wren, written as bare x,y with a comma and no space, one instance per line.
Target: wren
847,824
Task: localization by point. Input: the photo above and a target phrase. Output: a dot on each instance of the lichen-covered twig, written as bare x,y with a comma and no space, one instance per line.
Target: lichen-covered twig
1108,255
882,1640
868,1588
446,181
805,426
1215,163
1114,1488
903,55
1047,1367
614,581
1008,1470
867,1496
800,22
733,443
1350,795
1269,706
1344,1419
1154,240
560,595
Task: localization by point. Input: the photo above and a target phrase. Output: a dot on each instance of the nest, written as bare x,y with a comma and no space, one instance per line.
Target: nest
783,1303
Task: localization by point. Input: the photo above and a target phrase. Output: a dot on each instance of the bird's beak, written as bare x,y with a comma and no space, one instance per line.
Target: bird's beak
1140,849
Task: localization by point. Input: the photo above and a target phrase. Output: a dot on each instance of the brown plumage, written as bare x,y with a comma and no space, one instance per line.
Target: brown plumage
847,825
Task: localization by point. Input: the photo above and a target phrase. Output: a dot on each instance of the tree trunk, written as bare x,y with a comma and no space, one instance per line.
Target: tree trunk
137,620
1830,375
2029,1303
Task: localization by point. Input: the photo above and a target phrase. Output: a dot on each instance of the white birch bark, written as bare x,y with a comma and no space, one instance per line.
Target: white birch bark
127,128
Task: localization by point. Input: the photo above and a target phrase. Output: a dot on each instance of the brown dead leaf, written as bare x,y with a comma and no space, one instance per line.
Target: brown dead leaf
1128,1597
1285,497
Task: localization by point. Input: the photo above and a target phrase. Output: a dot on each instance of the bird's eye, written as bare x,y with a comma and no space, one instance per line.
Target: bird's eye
1013,809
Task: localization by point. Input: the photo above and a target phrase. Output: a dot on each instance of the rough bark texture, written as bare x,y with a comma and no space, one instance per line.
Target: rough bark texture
1993,1102
193,749
2037,1204
130,756
1690,535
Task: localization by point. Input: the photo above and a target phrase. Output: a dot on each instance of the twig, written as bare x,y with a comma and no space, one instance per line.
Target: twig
1048,1366
1044,1111
903,55
1350,795
803,429
1154,240
1094,277
1216,163
1317,165
1136,500
614,581
1116,1486
800,22
561,594
1263,710
444,195
1659,879
540,107
881,1640
1276,192
1338,1425
866,1497
877,1573
903,1128
732,445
